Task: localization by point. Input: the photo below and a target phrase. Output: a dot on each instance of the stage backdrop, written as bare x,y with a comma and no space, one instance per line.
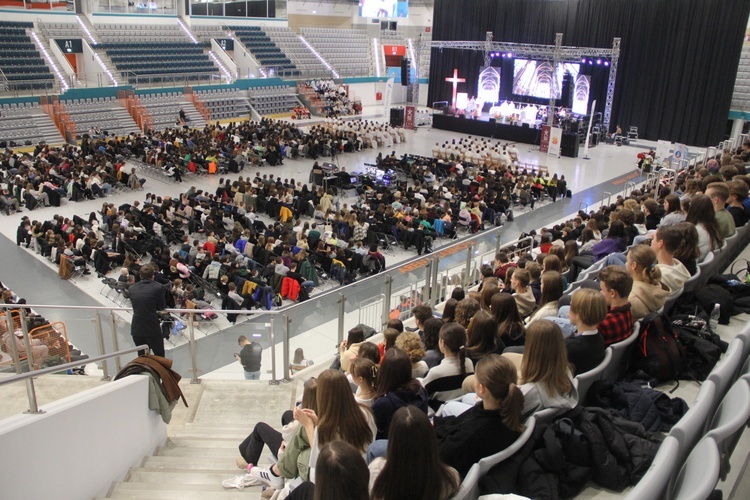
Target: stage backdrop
678,59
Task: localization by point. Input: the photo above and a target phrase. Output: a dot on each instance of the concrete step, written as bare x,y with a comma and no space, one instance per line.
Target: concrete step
183,491
212,434
190,451
193,442
202,462
180,476
208,426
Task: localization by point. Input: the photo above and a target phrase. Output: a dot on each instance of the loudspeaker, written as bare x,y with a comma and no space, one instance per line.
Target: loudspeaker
569,146
397,117
405,71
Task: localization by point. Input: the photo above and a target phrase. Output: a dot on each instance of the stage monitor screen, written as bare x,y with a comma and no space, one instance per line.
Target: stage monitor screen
384,8
538,79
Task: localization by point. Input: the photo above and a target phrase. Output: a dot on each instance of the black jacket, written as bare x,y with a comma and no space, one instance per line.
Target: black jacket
471,436
147,297
585,444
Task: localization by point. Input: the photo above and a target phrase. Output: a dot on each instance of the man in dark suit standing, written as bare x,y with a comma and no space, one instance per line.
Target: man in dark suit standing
147,298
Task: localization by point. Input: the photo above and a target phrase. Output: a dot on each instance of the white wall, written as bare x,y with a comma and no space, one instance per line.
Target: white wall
32,16
418,15
90,69
235,21
106,18
244,61
224,57
60,59
366,92
81,445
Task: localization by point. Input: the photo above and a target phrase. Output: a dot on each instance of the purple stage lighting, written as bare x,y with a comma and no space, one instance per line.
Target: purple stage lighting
598,61
606,63
583,59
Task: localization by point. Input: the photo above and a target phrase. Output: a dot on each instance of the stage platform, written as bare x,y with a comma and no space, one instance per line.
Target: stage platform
482,126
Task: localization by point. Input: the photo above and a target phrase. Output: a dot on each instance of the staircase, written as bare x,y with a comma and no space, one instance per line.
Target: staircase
196,118
191,465
202,446
47,128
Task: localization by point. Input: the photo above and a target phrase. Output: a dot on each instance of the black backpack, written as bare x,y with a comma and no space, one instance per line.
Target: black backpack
703,348
659,352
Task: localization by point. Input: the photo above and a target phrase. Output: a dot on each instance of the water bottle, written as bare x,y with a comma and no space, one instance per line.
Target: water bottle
713,322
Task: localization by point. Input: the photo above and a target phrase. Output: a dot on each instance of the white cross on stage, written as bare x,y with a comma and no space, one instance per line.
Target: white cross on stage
455,81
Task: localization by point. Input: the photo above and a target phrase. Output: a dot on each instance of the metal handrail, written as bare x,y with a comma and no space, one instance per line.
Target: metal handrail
72,364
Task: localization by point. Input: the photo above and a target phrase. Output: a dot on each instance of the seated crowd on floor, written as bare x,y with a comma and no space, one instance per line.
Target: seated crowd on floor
459,386
334,99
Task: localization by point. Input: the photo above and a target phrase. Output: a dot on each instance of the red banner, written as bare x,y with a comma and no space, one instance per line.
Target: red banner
394,50
409,117
544,143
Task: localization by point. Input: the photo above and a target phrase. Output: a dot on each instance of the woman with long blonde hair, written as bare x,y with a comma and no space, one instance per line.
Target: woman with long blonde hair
546,379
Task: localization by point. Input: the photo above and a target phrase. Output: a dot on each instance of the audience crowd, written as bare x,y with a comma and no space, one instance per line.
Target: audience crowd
512,347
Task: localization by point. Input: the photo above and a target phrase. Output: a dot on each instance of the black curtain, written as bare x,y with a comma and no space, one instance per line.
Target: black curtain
678,59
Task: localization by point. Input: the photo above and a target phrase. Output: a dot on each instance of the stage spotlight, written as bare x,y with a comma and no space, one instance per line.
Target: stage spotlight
583,59
591,61
598,61
510,54
606,63
503,55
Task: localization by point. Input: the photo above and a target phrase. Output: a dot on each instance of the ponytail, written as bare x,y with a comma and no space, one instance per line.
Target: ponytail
499,376
511,408
462,360
453,336
653,273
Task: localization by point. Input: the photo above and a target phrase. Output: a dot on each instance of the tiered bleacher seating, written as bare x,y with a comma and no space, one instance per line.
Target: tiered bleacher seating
224,103
303,58
20,61
348,50
205,33
264,50
104,113
164,108
134,33
273,100
157,61
62,30
16,126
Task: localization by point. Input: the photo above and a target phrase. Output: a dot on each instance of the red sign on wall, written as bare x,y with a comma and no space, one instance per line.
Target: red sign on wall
394,50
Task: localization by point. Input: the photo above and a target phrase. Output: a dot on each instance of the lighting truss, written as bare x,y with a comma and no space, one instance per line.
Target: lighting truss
554,53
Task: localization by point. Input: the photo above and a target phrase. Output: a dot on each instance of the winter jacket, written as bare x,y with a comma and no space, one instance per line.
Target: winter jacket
212,271
634,401
307,270
290,289
583,445
285,214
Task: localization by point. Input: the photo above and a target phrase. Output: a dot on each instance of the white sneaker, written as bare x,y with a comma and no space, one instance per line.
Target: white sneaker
241,481
265,476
